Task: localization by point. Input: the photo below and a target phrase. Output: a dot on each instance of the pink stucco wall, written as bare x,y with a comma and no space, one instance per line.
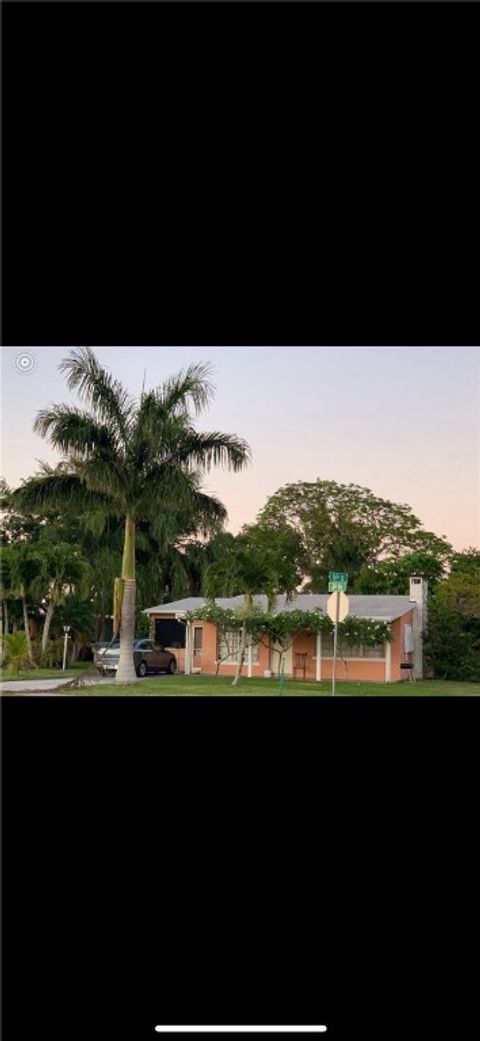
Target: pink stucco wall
366,669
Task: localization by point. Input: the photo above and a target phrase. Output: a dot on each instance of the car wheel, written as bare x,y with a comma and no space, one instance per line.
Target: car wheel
172,667
142,669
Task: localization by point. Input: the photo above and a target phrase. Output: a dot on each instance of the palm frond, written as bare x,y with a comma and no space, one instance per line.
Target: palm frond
57,487
209,513
213,449
71,429
104,477
191,385
96,385
168,488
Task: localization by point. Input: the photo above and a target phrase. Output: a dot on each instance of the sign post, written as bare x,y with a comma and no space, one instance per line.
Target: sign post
335,640
66,638
337,609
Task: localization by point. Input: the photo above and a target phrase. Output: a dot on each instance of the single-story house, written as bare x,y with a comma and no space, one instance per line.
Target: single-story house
198,648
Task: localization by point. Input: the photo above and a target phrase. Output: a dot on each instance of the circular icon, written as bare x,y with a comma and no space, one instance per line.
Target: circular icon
25,362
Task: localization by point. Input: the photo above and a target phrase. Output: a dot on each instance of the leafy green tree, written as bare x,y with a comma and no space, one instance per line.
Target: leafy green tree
345,527
251,564
278,631
392,576
452,639
227,621
467,563
132,459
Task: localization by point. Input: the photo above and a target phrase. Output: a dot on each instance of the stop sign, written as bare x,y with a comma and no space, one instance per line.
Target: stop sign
343,606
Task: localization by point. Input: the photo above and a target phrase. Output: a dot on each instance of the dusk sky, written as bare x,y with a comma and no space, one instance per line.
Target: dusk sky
404,422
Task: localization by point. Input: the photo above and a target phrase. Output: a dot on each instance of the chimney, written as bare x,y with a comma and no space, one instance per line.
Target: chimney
418,596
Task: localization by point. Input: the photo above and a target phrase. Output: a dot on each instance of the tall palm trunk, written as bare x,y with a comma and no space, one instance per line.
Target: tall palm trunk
126,669
47,624
27,628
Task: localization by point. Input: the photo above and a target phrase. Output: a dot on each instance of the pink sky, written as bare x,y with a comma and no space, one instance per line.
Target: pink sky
401,421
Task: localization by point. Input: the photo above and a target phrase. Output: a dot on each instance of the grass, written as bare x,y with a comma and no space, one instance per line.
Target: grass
44,674
187,686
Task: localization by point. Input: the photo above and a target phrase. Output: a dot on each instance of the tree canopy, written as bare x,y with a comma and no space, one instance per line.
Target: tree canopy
254,562
392,576
346,527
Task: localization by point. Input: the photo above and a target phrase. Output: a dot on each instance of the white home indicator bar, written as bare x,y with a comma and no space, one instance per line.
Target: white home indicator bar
241,1030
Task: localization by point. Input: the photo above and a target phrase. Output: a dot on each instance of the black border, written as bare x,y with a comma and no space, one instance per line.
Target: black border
321,852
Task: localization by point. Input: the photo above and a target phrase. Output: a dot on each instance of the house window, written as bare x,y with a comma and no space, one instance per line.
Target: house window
197,639
228,646
357,651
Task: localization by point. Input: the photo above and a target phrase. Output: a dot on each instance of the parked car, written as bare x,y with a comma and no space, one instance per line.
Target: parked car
148,656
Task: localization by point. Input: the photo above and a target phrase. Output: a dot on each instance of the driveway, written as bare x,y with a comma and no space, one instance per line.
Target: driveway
45,686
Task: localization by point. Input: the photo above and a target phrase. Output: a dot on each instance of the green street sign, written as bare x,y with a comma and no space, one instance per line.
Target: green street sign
337,581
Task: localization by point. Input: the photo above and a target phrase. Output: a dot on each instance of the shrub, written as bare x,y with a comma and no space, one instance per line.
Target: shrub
16,652
452,641
52,656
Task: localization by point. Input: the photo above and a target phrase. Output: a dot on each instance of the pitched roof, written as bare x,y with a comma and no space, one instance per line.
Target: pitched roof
380,608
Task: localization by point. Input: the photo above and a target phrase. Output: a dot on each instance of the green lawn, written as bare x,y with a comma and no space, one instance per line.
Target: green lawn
44,674
181,686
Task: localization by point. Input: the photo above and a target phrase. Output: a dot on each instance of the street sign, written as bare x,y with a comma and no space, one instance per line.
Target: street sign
337,580
343,606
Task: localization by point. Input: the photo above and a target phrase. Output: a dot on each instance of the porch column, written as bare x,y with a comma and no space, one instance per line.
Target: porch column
388,661
187,648
318,664
250,660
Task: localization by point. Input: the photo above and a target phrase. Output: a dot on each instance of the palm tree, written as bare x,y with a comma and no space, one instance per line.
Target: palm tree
163,560
64,570
25,564
78,614
5,593
246,564
133,458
